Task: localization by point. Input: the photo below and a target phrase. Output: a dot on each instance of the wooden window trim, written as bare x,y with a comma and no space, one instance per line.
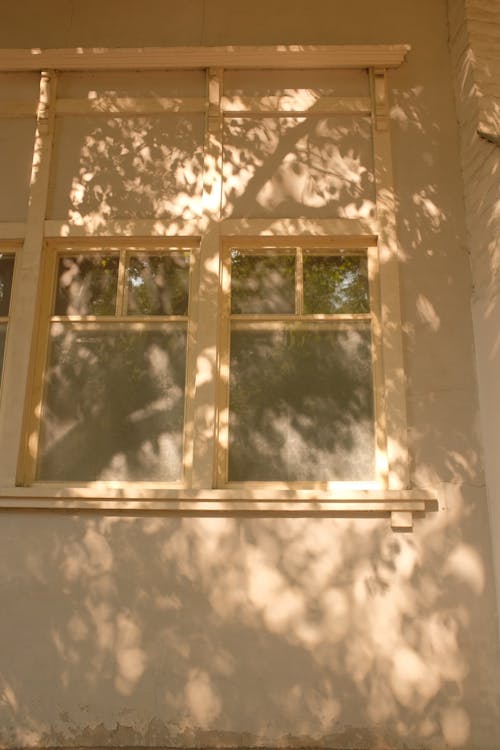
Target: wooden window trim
160,58
298,246
211,229
26,472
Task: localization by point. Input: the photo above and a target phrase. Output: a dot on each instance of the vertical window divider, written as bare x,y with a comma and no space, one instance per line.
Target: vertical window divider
26,469
207,307
24,319
222,434
381,460
188,437
122,286
391,327
299,282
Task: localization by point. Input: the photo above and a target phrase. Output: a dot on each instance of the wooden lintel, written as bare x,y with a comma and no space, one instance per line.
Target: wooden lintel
158,58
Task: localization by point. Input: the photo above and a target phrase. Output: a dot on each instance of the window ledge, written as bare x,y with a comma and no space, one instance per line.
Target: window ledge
400,504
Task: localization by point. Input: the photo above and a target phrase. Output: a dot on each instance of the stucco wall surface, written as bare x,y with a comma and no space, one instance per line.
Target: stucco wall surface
475,44
204,632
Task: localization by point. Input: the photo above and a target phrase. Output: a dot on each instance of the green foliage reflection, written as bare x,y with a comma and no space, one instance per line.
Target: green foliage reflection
335,284
262,283
158,284
301,405
87,285
114,403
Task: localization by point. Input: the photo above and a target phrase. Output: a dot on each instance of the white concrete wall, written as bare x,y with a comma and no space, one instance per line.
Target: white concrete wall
475,47
334,632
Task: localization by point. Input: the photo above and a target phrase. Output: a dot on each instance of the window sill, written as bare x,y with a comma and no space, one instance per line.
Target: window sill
134,500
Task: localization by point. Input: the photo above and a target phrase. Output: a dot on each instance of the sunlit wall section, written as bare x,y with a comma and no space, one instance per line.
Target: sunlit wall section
18,99
297,144
128,146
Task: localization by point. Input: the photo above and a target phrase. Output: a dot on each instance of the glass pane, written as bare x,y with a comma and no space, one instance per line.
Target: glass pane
301,405
336,284
6,273
262,283
113,403
3,331
158,284
86,285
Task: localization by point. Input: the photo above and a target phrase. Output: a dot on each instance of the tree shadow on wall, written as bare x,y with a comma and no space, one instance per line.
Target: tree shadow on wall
329,632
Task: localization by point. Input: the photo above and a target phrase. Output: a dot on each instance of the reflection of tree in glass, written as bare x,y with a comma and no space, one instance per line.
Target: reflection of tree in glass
87,285
158,285
114,403
6,273
301,405
335,284
262,284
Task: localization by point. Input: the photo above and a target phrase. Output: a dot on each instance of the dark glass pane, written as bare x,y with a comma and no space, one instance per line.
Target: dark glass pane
86,285
301,405
335,284
262,283
158,284
3,331
113,403
6,273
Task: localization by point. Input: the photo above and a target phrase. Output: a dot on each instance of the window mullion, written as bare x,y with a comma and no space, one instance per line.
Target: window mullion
24,322
121,293
207,298
391,337
299,282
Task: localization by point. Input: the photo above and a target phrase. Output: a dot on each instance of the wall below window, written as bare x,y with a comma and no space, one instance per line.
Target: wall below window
203,632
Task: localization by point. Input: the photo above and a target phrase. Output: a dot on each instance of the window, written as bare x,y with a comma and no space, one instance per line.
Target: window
297,399
114,382
6,275
208,309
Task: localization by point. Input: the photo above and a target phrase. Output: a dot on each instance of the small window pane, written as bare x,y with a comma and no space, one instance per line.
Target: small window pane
262,283
86,285
113,406
158,284
3,332
6,274
301,405
335,284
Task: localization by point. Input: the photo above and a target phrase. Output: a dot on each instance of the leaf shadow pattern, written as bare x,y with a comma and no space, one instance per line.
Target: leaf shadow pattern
285,631
323,632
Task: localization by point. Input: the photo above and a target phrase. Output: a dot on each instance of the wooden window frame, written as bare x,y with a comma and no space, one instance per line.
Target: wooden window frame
27,468
200,494
364,247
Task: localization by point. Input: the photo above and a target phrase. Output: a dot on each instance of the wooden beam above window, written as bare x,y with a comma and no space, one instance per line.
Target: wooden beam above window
158,58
